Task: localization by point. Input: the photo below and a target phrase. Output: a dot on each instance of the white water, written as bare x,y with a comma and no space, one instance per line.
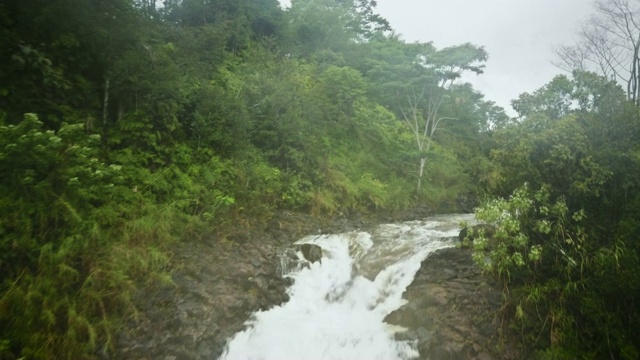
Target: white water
336,308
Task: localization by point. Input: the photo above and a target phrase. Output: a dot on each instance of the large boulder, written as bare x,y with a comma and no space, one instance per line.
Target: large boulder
291,261
311,252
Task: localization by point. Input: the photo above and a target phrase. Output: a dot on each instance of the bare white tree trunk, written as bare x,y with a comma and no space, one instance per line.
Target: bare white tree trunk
421,171
424,122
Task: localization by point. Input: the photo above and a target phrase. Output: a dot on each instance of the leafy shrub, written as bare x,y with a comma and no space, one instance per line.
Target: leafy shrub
565,290
76,240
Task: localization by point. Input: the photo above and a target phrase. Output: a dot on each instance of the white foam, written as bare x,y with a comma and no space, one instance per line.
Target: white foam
336,307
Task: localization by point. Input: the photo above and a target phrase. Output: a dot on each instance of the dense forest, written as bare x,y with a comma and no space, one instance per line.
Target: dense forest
127,126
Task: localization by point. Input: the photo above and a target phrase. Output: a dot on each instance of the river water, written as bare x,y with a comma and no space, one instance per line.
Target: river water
337,306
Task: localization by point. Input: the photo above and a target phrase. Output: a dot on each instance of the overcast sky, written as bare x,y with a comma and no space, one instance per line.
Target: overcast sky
519,36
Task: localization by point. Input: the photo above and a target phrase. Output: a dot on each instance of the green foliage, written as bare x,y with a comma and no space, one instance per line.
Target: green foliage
63,278
556,153
554,99
258,185
343,87
558,278
324,28
208,112
50,182
72,304
445,179
565,245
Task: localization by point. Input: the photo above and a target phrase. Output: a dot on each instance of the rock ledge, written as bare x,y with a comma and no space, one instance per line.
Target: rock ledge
451,310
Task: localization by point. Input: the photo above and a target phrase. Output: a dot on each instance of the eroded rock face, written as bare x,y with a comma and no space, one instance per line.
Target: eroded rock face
452,309
213,296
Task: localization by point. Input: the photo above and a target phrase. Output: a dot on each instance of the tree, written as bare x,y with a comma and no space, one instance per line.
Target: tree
570,233
553,99
332,27
423,124
559,125
609,45
442,68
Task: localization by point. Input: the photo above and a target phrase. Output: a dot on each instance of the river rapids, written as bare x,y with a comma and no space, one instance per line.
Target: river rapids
337,306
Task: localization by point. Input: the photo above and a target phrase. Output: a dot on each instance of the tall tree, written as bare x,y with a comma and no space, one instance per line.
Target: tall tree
609,44
422,109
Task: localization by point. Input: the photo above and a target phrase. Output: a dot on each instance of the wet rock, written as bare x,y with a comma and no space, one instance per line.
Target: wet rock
216,289
220,282
451,310
311,252
291,262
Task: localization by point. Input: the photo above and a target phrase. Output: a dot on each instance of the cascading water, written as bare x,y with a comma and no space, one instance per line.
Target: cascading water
337,306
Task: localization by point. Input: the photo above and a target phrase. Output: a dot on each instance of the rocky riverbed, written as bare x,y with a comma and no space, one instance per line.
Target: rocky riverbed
452,311
219,283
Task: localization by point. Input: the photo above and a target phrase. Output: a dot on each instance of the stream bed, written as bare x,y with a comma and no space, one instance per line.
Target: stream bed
337,306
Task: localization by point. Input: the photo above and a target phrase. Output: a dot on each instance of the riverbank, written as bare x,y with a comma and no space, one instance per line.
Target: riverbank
219,283
452,311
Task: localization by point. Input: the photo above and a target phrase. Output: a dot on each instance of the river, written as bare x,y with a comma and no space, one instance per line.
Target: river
337,306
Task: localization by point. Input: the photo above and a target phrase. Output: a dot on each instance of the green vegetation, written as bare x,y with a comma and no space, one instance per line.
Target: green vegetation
127,127
566,244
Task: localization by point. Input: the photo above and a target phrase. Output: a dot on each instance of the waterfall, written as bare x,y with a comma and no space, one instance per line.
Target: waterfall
337,306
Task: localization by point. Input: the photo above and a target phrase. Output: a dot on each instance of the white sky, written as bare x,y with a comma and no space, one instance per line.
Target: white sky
519,36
